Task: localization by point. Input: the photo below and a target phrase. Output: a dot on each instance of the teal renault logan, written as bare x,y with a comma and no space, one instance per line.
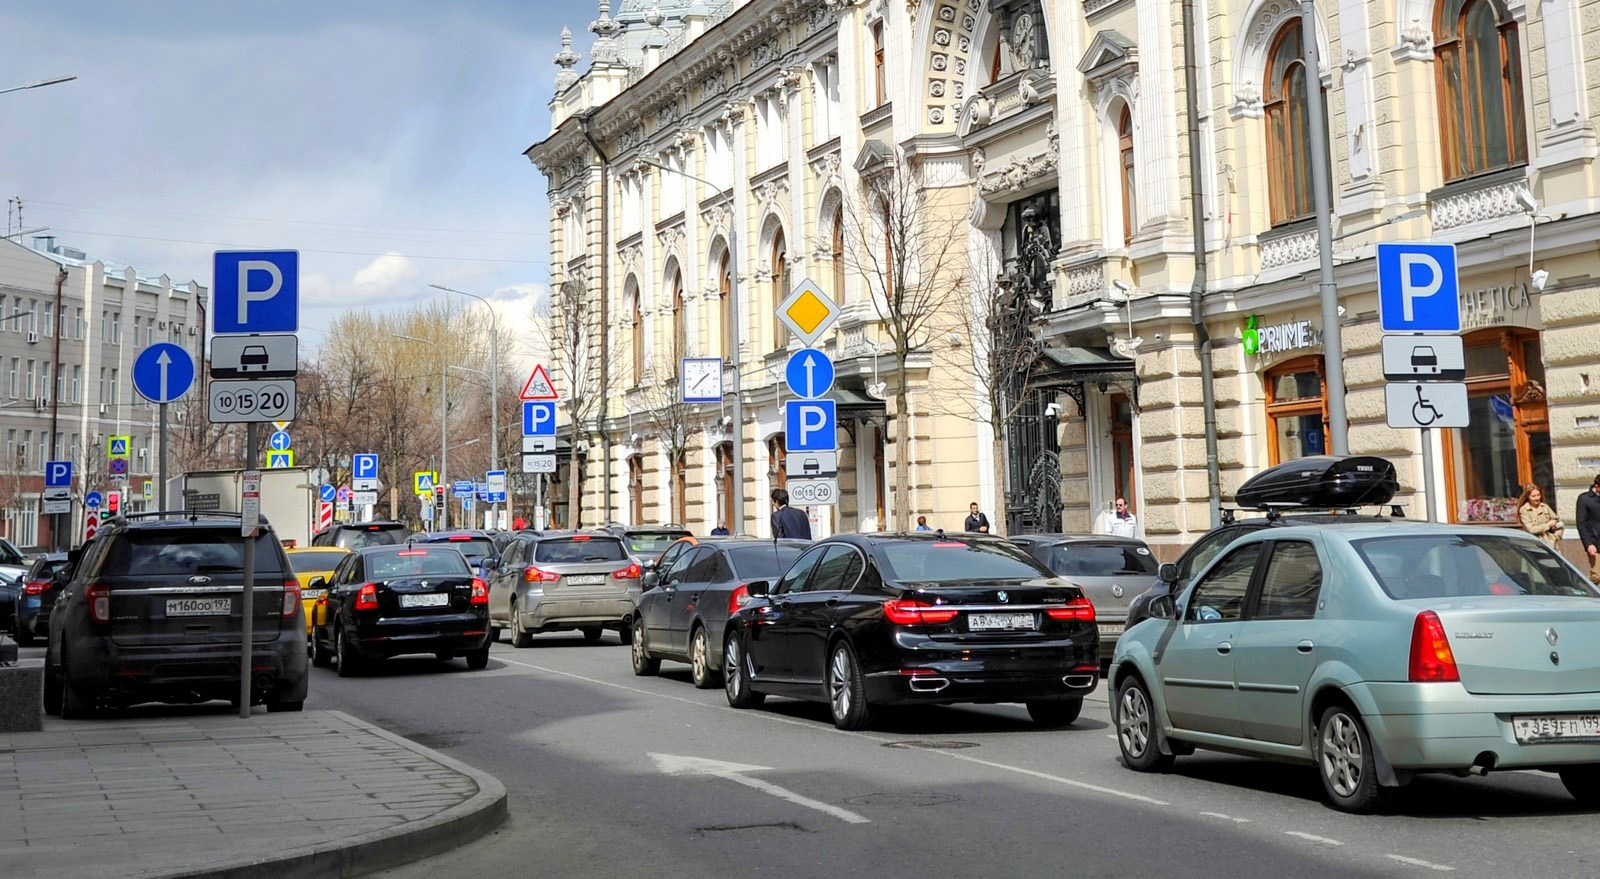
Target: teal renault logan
1374,653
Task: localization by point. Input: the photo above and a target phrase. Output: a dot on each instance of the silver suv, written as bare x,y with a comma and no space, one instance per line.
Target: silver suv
564,581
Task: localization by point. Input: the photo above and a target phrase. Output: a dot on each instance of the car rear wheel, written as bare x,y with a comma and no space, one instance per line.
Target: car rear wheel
52,689
1345,763
1136,728
321,656
1056,713
478,659
700,660
345,659
1583,782
847,690
735,675
519,636
593,633
644,665
71,705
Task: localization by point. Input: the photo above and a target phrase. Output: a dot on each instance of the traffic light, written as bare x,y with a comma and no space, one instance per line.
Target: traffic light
113,502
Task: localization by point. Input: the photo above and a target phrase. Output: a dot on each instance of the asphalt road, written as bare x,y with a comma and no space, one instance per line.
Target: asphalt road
606,775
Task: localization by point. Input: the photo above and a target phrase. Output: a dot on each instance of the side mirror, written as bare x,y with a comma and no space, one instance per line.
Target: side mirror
651,578
1163,607
488,564
317,583
757,588
1168,573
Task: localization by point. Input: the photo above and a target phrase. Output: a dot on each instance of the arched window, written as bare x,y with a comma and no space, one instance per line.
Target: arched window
680,330
780,287
725,315
725,485
1126,170
637,340
1288,128
1479,69
836,252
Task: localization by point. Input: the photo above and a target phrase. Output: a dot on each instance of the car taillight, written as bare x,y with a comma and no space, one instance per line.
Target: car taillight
98,595
916,613
1079,610
480,591
738,599
531,574
291,598
631,572
1431,657
367,598
35,587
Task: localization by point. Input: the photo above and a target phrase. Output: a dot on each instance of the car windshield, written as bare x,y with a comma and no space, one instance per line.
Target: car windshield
165,553
763,562
579,549
9,554
653,541
955,561
44,569
1462,565
1102,560
315,560
371,535
415,562
471,547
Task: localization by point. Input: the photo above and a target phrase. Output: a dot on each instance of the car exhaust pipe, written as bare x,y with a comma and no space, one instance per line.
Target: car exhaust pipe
1079,681
1483,764
922,684
261,682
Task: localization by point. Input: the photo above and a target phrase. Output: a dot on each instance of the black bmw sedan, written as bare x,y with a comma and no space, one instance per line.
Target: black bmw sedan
386,601
862,620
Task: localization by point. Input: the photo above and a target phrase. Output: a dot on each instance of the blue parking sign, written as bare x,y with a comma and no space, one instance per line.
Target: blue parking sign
811,426
57,474
1418,290
538,419
255,291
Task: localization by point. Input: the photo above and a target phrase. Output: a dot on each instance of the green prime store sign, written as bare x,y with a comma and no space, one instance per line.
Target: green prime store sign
1292,335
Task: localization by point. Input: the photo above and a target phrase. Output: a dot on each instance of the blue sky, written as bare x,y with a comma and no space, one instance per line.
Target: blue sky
374,137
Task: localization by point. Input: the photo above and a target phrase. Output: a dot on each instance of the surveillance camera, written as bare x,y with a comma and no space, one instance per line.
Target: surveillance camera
1538,279
1052,409
1528,202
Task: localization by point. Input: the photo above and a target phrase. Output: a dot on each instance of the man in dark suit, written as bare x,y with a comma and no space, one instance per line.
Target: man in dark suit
976,521
1589,528
787,521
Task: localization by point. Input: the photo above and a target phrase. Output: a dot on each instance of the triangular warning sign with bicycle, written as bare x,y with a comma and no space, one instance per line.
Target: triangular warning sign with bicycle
539,386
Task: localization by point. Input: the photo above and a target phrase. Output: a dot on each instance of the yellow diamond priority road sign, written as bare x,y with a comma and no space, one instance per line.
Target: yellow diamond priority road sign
808,312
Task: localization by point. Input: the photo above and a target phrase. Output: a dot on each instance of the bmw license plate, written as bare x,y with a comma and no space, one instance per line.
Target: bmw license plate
437,599
1557,728
990,622
586,579
199,607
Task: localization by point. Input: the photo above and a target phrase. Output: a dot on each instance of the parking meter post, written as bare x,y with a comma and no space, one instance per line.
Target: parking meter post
247,609
1427,473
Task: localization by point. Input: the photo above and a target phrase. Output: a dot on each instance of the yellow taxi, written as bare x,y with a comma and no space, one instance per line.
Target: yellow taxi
309,562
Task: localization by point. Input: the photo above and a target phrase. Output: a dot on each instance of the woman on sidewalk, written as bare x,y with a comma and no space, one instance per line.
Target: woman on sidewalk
1536,516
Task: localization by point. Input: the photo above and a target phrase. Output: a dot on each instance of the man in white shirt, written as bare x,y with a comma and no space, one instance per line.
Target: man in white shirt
1122,523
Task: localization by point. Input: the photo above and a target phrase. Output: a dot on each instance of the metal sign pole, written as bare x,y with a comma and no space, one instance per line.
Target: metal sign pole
161,464
247,611
1427,474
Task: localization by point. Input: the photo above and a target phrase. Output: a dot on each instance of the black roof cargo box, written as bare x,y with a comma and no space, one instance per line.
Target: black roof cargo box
1323,482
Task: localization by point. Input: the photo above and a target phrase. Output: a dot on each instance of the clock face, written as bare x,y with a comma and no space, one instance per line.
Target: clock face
702,380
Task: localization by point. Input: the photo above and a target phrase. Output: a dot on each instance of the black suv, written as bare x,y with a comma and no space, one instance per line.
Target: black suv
151,612
1319,490
356,535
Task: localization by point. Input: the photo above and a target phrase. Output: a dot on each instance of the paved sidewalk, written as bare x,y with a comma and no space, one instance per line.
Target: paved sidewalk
318,793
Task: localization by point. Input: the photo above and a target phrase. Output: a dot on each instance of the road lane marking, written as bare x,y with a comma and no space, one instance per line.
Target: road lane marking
1323,840
1418,862
952,755
672,764
1226,817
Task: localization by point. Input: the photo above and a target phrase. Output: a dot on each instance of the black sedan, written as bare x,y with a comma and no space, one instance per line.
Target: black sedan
685,608
390,600
477,546
914,618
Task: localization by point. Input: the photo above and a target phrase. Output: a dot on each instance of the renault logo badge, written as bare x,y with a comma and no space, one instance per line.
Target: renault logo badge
1551,636
1116,590
1003,596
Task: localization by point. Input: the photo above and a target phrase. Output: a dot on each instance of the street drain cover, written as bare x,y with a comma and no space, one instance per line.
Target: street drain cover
906,799
930,745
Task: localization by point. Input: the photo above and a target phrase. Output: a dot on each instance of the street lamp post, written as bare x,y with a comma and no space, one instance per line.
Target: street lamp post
734,339
43,82
465,521
494,382
444,415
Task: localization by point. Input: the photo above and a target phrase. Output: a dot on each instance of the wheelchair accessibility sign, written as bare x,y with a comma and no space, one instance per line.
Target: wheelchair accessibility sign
1427,404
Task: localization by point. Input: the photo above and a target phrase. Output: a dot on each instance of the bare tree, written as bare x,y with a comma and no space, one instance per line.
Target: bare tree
572,334
671,420
899,238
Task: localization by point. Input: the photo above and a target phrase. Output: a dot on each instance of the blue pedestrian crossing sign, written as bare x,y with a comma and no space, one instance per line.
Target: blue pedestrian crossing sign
538,419
163,372
280,441
811,426
117,447
1418,288
277,460
809,373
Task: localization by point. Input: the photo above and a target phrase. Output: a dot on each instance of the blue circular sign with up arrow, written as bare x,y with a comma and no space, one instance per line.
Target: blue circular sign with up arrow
279,441
163,372
809,373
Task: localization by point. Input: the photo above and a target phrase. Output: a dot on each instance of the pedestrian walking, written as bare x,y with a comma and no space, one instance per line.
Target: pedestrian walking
1122,523
1589,528
976,521
922,524
787,521
1536,516
519,523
